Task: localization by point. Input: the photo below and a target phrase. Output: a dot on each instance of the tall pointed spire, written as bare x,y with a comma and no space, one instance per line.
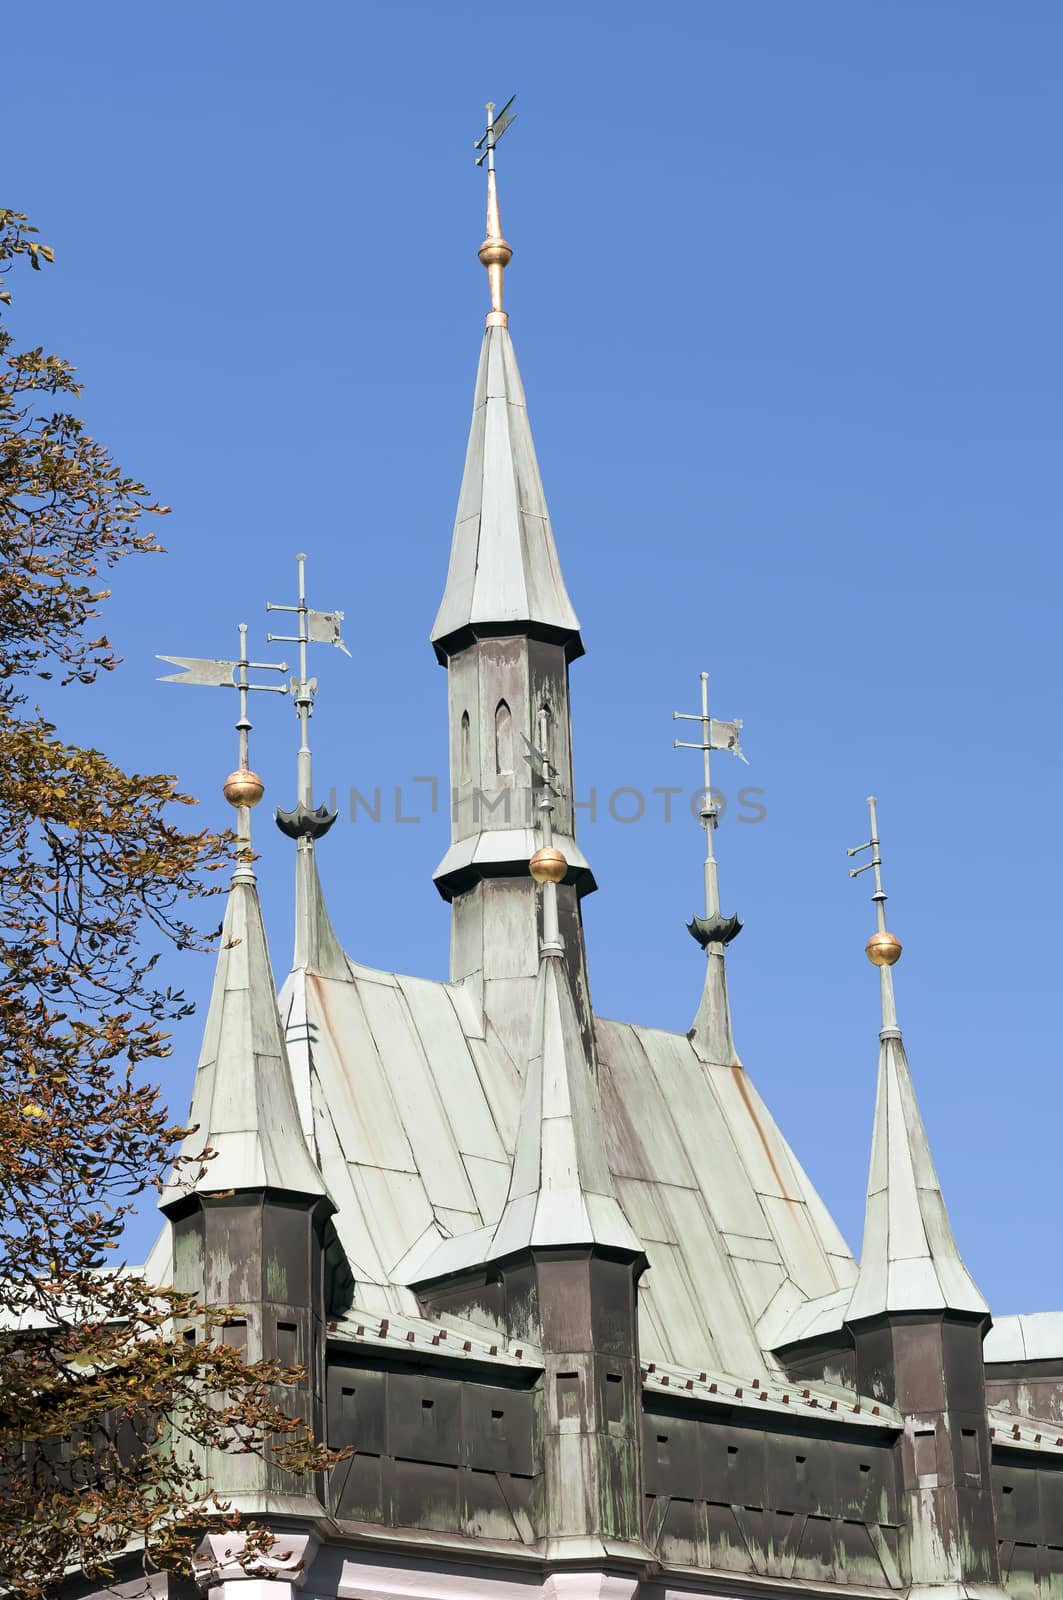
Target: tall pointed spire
243,1101
712,1034
909,1260
504,573
316,945
506,633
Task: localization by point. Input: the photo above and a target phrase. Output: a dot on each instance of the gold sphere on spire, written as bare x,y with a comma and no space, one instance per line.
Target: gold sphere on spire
883,949
495,253
243,788
548,865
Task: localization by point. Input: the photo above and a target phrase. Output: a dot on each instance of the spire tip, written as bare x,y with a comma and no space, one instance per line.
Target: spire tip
494,253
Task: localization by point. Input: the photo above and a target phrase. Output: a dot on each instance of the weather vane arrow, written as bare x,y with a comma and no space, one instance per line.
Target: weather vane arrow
496,127
243,788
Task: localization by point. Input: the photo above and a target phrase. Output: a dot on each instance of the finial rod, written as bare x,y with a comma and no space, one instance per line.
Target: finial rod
547,866
313,627
242,788
715,735
494,253
551,926
243,730
883,949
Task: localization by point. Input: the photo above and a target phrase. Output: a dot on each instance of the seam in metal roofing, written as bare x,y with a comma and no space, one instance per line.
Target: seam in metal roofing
1036,1336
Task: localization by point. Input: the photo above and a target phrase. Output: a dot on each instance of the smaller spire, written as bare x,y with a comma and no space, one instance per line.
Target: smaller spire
243,1101
561,1190
316,945
712,1033
495,253
909,1260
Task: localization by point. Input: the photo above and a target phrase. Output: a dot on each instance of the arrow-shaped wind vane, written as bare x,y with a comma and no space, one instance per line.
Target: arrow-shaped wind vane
243,788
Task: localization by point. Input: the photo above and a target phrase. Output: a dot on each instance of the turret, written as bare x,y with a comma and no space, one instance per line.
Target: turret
560,1268
917,1318
248,1222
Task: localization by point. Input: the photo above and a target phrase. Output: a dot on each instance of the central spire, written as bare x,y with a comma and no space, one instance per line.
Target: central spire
506,633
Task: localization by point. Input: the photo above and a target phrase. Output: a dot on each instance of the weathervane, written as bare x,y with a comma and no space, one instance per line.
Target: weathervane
715,735
242,788
548,865
883,949
495,253
315,627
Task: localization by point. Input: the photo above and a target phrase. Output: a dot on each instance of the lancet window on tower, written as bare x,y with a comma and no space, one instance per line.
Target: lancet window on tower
465,749
503,740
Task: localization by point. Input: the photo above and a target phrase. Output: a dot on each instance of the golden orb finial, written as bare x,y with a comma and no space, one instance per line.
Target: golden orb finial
243,788
883,949
548,865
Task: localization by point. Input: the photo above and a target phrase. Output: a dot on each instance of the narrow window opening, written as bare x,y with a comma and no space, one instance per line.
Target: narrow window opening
972,1463
614,1397
925,1446
464,749
235,1333
189,1336
497,1420
287,1343
568,1394
865,1466
428,1418
1007,1488
503,740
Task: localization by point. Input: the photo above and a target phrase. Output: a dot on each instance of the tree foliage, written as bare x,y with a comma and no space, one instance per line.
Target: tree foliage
96,875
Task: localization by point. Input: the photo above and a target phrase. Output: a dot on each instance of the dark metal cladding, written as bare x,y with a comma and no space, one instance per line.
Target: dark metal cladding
930,1367
785,1503
1029,1388
1028,1496
443,1450
262,1254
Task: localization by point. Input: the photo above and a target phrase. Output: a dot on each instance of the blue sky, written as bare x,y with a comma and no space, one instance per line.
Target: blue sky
785,297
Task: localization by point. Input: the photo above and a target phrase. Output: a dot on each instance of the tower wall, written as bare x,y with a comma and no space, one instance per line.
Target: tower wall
930,1368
